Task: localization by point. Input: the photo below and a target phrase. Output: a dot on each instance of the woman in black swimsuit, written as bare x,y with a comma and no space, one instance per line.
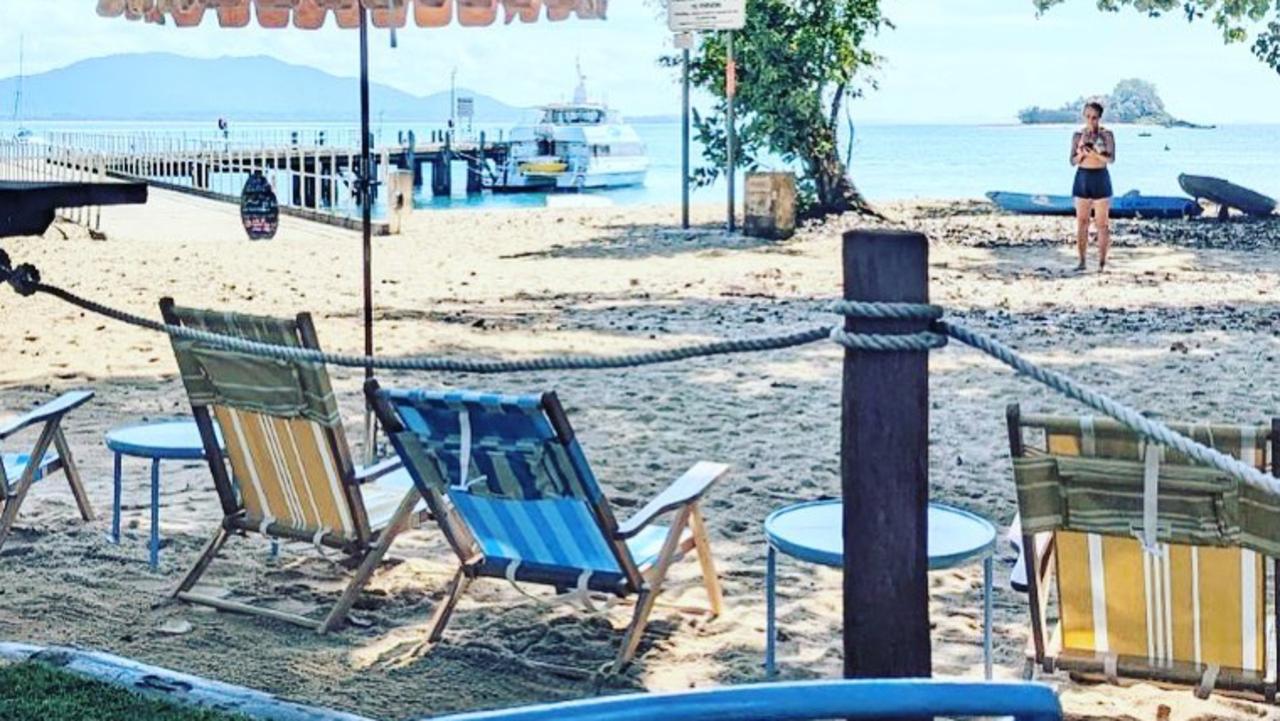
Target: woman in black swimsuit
1093,148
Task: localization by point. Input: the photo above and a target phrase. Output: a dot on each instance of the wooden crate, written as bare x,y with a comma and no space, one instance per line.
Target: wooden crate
770,205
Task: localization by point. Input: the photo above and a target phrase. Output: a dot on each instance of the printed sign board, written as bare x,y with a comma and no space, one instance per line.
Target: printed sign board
696,15
466,108
259,210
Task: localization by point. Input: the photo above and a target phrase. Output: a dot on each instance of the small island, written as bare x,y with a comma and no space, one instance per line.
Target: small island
1132,101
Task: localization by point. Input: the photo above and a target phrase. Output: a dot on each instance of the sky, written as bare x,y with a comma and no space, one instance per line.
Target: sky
946,61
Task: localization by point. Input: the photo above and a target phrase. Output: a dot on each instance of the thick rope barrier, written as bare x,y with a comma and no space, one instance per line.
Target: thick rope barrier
25,280
1148,428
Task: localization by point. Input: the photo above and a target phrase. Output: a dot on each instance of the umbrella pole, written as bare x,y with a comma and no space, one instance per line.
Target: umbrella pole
367,192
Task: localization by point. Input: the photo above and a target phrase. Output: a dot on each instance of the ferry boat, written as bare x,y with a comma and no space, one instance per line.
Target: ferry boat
579,145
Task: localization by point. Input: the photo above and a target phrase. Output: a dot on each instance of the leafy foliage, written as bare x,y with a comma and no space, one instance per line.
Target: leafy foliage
36,692
799,62
1233,17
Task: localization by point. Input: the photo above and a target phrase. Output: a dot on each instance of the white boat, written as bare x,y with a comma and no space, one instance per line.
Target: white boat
574,146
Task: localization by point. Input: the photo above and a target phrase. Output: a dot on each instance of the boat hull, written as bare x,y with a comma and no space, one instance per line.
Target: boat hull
1224,193
1129,205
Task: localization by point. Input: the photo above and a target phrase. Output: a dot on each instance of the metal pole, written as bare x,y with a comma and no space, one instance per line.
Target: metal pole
730,91
366,209
684,148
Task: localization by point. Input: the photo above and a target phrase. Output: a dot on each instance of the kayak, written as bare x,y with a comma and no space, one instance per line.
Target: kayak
1227,194
1130,205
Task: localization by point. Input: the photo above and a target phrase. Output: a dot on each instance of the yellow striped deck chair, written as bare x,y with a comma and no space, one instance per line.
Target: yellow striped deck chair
1161,565
293,474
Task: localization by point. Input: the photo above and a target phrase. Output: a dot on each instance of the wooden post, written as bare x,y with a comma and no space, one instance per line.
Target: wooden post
884,467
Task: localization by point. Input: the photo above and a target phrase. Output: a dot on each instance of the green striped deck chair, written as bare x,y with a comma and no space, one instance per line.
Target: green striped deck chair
295,479
1161,565
50,454
512,491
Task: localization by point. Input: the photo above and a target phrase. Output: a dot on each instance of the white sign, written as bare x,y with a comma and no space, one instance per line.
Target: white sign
466,108
695,15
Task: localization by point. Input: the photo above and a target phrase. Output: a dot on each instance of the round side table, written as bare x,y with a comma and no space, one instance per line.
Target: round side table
813,532
164,440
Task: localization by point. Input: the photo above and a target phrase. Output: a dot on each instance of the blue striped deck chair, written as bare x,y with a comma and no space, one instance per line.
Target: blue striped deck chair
18,471
513,493
804,701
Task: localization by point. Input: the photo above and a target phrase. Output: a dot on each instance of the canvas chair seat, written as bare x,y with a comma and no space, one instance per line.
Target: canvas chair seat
288,453
515,497
16,463
382,497
1160,565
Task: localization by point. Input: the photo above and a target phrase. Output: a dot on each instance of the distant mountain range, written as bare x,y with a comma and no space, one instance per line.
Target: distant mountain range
161,86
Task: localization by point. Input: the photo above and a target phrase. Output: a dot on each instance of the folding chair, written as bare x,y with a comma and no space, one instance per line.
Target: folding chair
513,493
18,471
286,447
1160,564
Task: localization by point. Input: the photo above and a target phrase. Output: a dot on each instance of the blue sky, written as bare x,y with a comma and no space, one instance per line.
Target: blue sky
947,60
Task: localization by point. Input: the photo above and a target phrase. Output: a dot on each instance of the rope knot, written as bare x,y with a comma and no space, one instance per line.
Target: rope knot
25,279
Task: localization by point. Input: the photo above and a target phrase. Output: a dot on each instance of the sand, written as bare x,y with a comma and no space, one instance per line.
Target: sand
1182,324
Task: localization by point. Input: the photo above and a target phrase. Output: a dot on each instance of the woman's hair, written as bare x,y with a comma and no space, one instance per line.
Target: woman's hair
1095,106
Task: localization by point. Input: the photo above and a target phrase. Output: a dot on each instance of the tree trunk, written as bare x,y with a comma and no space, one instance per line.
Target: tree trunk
835,189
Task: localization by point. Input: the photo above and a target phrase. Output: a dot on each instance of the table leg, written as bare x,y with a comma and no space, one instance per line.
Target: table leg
155,513
115,505
771,610
986,613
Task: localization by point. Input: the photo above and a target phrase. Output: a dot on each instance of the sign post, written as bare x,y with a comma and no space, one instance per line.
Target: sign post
731,126
466,110
689,16
684,41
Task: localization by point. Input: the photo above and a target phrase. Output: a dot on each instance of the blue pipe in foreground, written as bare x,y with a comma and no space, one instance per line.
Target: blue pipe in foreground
803,701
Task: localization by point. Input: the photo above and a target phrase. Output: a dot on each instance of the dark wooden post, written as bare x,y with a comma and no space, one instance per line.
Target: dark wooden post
884,467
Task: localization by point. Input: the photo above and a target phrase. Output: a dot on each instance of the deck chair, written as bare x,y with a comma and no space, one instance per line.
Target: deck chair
1160,564
19,471
288,452
514,495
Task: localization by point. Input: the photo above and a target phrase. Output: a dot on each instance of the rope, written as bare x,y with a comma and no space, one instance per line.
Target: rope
432,363
25,279
1152,430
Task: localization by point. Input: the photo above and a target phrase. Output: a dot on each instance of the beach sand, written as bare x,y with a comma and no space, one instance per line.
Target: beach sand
1183,324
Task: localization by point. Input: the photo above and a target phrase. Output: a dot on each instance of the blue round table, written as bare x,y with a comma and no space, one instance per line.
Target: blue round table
164,440
813,532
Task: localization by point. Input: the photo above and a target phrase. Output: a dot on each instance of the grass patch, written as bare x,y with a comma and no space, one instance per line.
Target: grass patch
38,692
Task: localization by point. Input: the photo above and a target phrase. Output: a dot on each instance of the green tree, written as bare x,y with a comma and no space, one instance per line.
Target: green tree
799,62
1234,17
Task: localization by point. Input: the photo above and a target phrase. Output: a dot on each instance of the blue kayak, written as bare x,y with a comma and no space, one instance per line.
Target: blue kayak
1130,205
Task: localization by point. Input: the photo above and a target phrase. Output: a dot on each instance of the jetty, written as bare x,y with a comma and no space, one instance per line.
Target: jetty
313,172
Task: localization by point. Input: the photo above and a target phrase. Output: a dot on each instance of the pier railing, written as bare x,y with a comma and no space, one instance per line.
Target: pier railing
313,171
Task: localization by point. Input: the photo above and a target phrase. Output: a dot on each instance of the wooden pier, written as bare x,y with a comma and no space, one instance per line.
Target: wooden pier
313,176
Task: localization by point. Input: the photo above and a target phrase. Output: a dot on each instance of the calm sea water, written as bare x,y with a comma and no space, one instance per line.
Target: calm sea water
889,161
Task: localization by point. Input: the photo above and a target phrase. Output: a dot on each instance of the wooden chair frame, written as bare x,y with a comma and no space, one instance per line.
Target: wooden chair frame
50,415
1048,653
681,497
365,552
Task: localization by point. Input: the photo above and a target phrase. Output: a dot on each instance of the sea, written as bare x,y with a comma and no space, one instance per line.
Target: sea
887,162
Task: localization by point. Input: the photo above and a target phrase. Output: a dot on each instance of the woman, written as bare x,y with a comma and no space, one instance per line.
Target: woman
1093,148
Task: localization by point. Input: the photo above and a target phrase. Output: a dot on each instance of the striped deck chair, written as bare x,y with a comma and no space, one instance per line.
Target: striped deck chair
19,471
516,499
1161,565
287,450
